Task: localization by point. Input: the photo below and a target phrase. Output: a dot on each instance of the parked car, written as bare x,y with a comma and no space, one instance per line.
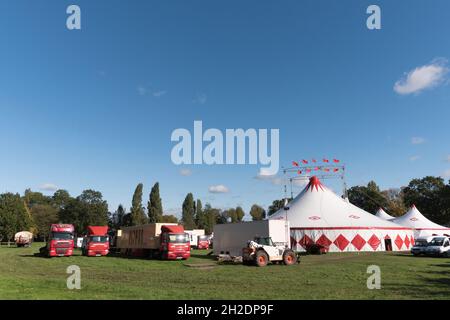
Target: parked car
439,246
420,245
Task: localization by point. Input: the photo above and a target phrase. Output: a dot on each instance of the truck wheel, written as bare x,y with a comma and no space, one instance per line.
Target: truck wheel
261,258
289,257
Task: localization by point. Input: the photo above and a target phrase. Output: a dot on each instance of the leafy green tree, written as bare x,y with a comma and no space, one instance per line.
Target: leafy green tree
154,207
277,205
200,219
32,198
88,209
257,212
137,211
239,214
117,218
368,198
188,211
212,217
230,214
44,215
13,215
61,198
169,218
429,195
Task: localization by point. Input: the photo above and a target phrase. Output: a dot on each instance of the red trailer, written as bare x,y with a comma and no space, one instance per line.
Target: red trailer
96,243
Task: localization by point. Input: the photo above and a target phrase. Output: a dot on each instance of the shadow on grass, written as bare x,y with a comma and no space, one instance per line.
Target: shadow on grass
203,256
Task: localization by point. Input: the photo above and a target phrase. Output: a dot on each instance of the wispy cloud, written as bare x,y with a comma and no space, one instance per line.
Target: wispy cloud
201,98
414,158
185,172
417,140
159,93
220,188
48,187
423,77
144,90
446,174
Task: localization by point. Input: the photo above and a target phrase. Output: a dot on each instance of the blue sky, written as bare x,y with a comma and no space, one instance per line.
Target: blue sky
95,108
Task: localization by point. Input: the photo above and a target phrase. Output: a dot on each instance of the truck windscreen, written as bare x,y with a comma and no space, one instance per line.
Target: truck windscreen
62,236
178,238
98,239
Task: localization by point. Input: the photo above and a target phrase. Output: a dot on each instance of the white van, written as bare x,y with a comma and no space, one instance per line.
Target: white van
439,246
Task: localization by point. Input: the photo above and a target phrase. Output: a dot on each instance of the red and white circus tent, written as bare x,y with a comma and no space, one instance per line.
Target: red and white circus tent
318,215
384,215
420,224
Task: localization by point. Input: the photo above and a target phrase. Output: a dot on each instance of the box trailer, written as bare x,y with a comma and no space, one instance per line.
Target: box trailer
193,236
162,240
231,238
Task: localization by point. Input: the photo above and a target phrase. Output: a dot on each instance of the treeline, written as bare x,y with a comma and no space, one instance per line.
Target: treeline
430,194
35,212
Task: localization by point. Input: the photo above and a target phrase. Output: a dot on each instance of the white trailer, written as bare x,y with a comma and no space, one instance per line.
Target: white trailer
231,238
193,236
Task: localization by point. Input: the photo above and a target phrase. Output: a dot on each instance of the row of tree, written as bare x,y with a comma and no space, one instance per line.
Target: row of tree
35,212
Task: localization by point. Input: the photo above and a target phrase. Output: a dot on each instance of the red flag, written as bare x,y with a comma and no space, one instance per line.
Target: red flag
314,160
336,169
316,168
308,170
294,163
299,171
326,160
336,160
304,161
326,169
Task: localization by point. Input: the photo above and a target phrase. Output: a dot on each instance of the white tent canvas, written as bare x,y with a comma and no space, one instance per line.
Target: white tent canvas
384,215
318,215
420,224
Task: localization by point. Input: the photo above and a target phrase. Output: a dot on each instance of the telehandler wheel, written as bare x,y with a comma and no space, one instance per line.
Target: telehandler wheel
289,258
261,258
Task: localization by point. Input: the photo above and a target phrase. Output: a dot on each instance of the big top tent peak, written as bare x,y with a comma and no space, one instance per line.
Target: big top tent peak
318,215
421,225
384,215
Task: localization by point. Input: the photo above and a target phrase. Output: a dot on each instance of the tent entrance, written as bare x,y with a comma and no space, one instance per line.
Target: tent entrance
388,244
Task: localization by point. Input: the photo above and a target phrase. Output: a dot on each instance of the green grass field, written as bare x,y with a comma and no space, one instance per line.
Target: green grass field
333,276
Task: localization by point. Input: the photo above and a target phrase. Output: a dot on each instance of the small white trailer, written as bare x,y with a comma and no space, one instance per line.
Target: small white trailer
193,236
231,238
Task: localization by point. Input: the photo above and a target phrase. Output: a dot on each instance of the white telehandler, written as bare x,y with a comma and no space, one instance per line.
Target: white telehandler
261,251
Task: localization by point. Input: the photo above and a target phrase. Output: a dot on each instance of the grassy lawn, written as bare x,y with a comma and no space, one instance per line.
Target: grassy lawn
333,276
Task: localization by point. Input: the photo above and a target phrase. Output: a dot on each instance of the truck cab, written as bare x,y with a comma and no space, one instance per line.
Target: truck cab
96,243
174,243
439,246
203,242
60,242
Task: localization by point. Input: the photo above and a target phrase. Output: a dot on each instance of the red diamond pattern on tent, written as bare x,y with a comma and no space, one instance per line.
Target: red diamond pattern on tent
293,242
341,242
407,242
399,242
374,242
412,240
358,242
324,241
305,240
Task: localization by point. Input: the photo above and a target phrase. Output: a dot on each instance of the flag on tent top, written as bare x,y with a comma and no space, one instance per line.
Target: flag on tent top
304,161
299,171
336,169
308,170
336,160
294,163
314,160
326,169
326,160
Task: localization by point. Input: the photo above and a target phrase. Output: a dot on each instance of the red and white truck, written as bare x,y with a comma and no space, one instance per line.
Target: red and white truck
60,241
96,243
166,241
203,242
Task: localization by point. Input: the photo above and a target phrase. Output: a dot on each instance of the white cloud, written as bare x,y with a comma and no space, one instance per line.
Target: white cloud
159,93
185,172
446,174
142,90
48,187
201,98
421,78
220,188
414,158
417,140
